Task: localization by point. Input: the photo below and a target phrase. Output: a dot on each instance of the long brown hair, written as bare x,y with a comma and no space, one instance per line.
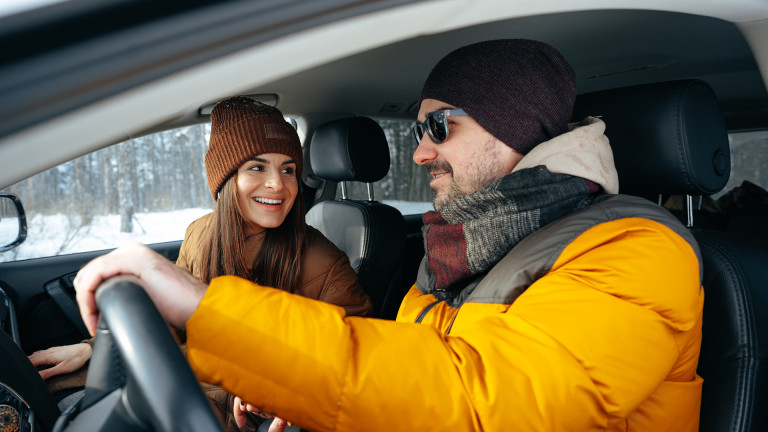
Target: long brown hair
278,263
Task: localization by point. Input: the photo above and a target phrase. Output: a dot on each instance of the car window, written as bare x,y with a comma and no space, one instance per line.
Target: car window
749,160
147,189
406,186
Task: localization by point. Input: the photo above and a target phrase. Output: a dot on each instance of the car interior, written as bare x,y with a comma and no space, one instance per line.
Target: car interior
670,79
372,234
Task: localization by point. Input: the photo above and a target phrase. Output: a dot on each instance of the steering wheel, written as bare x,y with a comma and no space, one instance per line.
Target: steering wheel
138,378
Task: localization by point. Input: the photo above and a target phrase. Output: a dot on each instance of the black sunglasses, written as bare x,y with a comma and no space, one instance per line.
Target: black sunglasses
436,124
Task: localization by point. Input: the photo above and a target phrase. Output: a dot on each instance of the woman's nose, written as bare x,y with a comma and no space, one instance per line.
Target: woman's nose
274,182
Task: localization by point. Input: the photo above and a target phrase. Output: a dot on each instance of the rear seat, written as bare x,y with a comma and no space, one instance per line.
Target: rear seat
414,252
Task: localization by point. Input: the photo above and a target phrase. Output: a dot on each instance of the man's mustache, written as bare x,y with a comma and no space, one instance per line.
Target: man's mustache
438,166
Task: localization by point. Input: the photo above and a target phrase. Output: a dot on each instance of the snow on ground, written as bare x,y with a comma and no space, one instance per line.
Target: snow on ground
61,234
50,235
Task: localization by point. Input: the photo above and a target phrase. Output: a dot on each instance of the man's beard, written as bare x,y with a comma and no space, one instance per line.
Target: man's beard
440,201
481,175
483,169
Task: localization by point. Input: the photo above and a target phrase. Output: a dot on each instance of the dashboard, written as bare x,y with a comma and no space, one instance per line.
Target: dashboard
15,413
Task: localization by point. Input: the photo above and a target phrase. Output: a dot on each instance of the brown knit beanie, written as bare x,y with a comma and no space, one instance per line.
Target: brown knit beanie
242,128
521,91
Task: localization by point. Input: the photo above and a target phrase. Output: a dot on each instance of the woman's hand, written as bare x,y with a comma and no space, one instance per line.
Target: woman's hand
63,359
241,407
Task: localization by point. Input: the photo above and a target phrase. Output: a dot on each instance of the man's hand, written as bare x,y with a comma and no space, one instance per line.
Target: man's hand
175,292
65,359
241,407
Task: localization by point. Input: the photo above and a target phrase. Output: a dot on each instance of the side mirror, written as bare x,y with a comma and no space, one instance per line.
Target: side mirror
13,222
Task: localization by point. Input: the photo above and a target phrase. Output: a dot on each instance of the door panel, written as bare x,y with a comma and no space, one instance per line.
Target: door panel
44,299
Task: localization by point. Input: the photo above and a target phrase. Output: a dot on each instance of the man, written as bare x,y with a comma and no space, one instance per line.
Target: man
544,302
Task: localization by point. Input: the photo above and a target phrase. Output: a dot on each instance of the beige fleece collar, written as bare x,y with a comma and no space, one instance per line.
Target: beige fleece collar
583,151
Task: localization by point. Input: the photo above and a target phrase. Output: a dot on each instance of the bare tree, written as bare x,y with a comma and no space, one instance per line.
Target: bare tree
125,185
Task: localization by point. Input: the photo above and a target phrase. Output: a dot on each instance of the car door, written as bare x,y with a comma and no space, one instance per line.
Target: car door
43,297
147,189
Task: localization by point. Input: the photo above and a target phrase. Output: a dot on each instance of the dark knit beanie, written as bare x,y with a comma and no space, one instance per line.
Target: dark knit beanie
521,91
241,129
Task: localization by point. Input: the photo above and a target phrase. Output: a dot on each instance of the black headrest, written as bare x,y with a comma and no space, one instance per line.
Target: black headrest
667,138
350,149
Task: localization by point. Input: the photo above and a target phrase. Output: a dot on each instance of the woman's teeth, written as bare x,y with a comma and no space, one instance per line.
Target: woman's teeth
268,201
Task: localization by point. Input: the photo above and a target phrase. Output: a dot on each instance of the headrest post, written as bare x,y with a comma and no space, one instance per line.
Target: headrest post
343,190
658,200
689,210
370,191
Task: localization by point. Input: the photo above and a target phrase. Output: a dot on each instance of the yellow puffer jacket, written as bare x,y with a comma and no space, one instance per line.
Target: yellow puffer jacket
591,323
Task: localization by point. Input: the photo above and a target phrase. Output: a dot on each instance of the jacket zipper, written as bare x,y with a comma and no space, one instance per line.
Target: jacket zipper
429,307
426,310
447,332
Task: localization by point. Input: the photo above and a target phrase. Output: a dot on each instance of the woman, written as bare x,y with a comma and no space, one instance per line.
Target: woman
257,231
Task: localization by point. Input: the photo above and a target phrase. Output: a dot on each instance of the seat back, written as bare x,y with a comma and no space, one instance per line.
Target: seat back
670,138
372,234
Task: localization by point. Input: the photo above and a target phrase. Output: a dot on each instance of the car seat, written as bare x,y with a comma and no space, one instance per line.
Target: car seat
372,234
670,138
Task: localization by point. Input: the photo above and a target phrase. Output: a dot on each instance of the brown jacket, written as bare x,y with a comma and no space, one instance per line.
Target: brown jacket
325,275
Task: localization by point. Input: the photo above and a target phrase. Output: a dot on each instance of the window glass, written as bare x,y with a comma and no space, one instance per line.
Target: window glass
10,7
148,189
406,186
749,160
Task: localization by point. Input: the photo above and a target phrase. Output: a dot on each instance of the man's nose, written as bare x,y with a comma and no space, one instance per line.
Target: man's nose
425,152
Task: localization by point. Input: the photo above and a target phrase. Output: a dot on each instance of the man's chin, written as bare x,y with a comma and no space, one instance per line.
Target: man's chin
441,201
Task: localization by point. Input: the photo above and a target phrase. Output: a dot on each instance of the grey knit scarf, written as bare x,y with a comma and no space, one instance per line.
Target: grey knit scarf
475,231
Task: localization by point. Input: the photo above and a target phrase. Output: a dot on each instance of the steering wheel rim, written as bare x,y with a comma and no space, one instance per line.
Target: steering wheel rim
157,388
